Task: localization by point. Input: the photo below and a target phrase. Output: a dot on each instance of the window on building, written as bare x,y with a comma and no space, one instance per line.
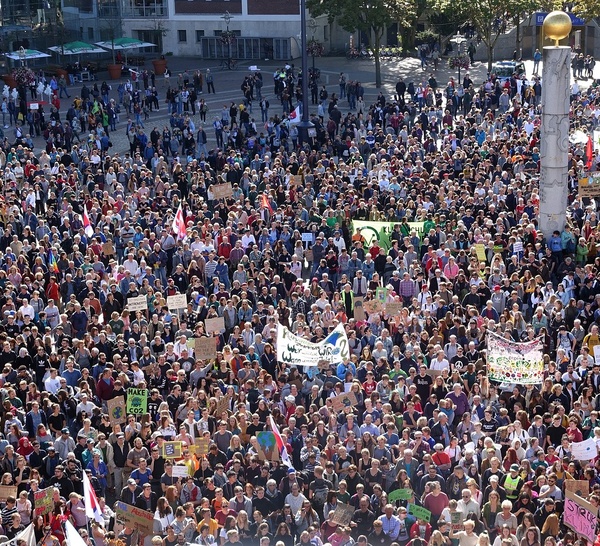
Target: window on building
91,33
326,33
199,35
182,35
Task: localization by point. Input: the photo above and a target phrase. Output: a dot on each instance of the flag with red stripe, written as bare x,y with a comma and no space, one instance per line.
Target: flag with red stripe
285,458
179,224
92,507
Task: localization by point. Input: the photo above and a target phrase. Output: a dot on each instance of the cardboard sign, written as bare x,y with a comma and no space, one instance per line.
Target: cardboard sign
359,311
137,304
200,446
222,405
393,309
177,302
116,410
580,516
131,516
7,491
400,494
43,500
205,348
222,191
419,512
172,450
343,514
480,249
180,471
137,401
579,487
213,325
373,306
589,186
268,450
345,400
456,521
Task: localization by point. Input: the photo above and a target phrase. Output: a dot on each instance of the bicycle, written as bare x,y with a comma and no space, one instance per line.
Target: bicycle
228,64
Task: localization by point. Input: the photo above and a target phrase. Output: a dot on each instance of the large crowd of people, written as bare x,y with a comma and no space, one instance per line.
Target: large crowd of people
84,230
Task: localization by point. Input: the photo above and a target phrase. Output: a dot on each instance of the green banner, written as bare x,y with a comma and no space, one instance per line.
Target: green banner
137,401
419,512
381,231
401,494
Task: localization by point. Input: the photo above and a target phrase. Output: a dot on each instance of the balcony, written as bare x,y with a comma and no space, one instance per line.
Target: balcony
139,9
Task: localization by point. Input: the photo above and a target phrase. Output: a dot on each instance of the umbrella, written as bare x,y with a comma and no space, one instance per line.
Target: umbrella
124,43
29,54
76,48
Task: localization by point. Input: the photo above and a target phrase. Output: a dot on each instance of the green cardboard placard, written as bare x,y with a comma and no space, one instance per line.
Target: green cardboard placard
400,494
419,512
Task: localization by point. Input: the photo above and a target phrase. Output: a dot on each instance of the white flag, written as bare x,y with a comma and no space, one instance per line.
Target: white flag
295,116
72,536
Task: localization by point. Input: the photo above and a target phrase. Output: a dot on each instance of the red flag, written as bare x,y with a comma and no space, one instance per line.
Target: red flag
87,225
285,458
266,203
179,224
589,154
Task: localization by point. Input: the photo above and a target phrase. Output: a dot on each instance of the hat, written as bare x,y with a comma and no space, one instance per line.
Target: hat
514,467
131,481
51,448
89,441
497,287
290,399
65,430
291,470
120,435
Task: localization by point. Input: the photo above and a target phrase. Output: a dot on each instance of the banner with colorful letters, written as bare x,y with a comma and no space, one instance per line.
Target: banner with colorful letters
511,362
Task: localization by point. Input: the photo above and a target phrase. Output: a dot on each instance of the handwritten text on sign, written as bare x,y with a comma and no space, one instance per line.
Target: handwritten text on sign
580,516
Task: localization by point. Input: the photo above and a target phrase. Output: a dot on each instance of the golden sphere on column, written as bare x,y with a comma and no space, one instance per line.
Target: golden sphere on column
557,25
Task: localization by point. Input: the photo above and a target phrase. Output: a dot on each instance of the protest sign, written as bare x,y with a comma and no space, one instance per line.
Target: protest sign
268,450
43,500
222,191
137,304
137,401
7,491
216,324
205,348
132,516
171,450
201,446
517,247
589,185
584,451
579,487
180,471
343,514
116,410
373,306
222,406
179,301
381,294
308,237
419,512
381,232
359,311
511,362
393,308
400,494
480,249
456,520
344,400
296,351
580,516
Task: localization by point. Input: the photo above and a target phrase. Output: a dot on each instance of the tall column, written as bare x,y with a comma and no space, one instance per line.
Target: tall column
554,141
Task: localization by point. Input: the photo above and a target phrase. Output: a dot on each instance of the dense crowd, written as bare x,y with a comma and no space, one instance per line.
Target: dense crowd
84,230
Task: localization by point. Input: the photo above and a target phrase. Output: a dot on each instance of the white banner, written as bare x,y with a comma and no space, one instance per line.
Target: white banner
511,362
297,351
584,451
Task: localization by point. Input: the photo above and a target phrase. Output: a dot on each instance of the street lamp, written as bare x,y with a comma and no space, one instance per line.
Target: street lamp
22,55
227,18
458,39
305,124
312,24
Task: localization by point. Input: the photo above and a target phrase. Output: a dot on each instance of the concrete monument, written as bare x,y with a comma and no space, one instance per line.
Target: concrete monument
554,142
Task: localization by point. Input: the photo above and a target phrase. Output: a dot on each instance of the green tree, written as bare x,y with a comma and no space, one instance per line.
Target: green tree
487,16
371,17
586,9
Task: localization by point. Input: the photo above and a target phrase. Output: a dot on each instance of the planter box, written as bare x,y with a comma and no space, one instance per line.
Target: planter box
160,66
114,71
